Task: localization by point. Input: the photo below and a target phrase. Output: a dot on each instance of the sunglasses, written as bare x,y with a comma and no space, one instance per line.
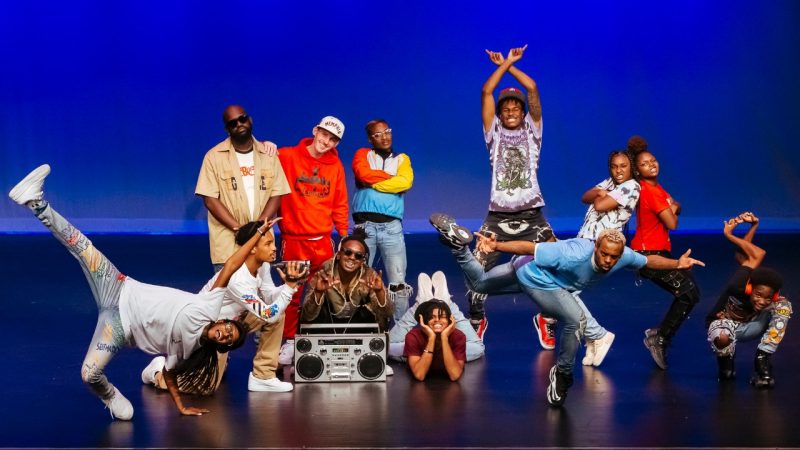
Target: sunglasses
352,253
241,119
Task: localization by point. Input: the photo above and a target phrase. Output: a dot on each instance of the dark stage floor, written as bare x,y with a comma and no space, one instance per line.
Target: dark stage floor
49,317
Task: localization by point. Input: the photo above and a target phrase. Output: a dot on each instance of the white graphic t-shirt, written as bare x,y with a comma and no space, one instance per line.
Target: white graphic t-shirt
626,195
247,169
514,155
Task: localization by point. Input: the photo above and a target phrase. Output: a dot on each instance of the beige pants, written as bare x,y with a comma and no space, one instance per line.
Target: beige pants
265,363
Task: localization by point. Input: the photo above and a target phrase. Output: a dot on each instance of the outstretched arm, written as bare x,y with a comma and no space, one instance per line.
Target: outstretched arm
684,262
753,255
237,259
171,380
490,244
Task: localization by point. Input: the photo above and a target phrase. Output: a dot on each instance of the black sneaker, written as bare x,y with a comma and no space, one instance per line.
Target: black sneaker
762,378
726,367
452,233
557,388
657,346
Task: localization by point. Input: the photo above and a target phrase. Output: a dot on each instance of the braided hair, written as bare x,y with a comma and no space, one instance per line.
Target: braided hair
198,374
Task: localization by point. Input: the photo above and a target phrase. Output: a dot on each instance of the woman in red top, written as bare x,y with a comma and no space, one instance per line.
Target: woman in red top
658,214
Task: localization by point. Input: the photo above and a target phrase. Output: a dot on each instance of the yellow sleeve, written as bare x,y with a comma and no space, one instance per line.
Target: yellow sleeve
400,182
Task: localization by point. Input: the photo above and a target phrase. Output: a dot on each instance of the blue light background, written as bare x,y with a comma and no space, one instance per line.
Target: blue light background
124,98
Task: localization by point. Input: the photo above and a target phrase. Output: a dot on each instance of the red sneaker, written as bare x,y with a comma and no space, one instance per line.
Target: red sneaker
545,330
480,326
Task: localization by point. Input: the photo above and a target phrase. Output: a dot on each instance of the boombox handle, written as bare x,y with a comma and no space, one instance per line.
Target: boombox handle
349,327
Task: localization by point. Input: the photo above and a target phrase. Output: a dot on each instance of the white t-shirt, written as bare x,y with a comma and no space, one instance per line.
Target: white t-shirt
257,294
514,155
166,321
626,196
247,169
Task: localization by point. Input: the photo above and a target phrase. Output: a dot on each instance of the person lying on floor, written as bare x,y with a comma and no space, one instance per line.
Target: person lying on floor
435,345
433,287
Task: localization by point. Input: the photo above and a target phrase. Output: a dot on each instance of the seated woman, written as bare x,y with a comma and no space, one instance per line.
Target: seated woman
345,291
159,320
433,287
435,345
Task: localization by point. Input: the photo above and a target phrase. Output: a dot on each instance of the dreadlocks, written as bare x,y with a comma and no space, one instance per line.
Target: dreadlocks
198,373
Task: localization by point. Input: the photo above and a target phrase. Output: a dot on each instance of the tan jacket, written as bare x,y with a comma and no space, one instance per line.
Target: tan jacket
220,178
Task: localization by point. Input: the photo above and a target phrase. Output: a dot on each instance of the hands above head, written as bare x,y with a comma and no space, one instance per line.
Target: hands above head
270,148
273,221
495,57
515,54
748,217
730,224
685,262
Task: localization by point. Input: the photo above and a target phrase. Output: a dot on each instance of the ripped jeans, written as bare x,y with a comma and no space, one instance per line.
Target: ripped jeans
769,325
106,283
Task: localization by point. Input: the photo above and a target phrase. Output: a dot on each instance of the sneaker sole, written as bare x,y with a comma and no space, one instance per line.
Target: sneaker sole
448,228
552,380
37,175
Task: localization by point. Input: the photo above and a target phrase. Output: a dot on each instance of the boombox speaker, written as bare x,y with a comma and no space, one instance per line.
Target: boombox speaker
340,352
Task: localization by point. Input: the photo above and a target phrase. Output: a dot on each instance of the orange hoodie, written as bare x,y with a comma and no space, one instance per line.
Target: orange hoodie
318,201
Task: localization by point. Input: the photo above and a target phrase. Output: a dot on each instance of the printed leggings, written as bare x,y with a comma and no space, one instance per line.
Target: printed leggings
105,282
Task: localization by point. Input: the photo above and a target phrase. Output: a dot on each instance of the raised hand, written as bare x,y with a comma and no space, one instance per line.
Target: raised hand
729,225
495,57
685,262
515,54
321,281
374,280
748,217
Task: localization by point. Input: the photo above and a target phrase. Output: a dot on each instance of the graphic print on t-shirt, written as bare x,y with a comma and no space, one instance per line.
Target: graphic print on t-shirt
312,185
513,166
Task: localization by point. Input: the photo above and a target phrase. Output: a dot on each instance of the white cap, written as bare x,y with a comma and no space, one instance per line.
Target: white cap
333,125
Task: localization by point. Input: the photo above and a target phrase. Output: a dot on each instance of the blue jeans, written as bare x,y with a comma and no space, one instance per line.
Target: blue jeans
561,305
397,335
388,239
502,279
769,326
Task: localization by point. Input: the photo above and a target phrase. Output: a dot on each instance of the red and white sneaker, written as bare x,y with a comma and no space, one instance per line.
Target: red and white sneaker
480,326
545,331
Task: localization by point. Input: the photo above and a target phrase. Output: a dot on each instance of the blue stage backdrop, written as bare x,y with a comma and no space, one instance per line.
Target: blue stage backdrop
124,98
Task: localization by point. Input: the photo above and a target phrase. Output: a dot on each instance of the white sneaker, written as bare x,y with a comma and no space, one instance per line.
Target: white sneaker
31,187
588,359
601,348
440,290
389,371
119,406
272,385
424,288
286,355
155,366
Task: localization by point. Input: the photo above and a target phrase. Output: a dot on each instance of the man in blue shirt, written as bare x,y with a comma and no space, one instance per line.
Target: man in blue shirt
549,273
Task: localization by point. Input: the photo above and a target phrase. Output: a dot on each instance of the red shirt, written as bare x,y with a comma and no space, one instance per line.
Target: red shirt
651,234
416,340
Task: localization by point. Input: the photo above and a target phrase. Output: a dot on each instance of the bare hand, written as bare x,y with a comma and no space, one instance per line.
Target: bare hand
449,329
685,262
192,411
374,280
495,57
487,243
270,148
428,330
295,272
749,217
729,225
272,222
321,281
515,54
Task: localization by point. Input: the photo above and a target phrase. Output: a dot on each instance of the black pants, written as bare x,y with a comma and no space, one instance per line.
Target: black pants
678,282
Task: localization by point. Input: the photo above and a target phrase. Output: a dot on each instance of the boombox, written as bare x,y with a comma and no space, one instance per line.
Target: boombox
340,352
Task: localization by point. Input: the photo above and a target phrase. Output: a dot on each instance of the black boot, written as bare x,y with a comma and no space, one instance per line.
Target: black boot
726,368
559,383
657,344
762,378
